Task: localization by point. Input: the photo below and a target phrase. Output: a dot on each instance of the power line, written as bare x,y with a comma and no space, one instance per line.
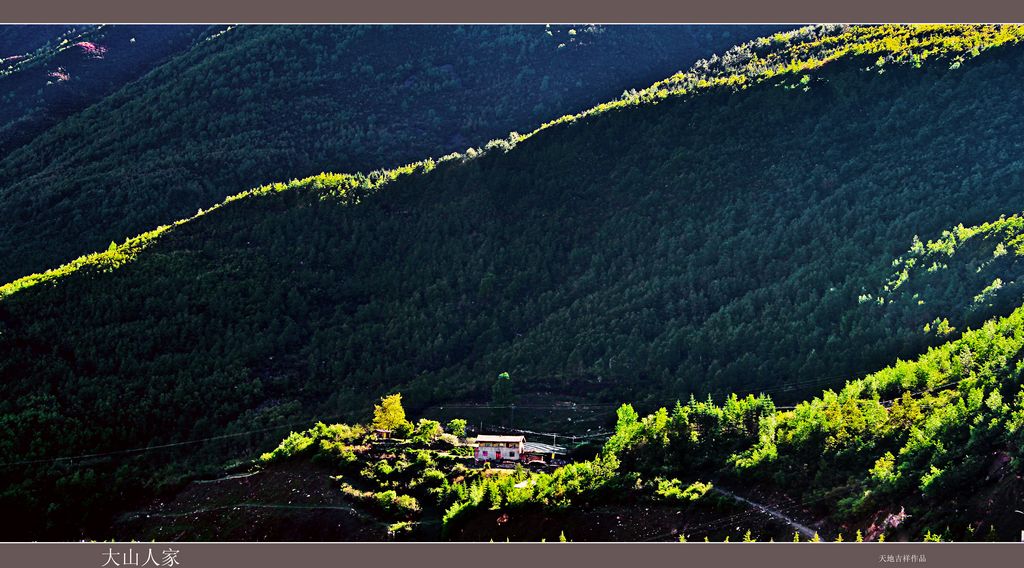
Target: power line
573,437
161,446
801,384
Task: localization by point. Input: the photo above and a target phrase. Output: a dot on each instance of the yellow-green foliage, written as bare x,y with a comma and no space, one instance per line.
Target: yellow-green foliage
395,503
294,444
390,502
673,489
796,52
808,48
389,414
347,188
333,440
914,428
105,261
1006,232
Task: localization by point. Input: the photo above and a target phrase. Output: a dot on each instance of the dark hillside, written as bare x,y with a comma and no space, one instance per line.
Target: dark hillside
48,73
256,104
19,40
716,241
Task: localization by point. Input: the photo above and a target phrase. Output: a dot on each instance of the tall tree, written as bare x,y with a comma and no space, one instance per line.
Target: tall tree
389,414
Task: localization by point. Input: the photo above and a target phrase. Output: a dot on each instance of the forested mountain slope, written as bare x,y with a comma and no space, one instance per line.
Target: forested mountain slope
19,40
48,73
250,105
930,449
692,238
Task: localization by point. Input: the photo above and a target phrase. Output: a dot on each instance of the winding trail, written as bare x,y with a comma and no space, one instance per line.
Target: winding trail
804,530
228,478
246,506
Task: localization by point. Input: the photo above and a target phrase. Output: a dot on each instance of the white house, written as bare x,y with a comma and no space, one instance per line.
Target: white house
498,448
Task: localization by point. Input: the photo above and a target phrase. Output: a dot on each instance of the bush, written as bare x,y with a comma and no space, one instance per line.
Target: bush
427,431
431,478
403,430
457,427
294,444
397,504
330,438
673,490
454,512
335,454
447,442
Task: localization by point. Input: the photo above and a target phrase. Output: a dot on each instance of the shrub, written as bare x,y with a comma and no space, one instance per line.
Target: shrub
432,478
397,504
427,431
457,427
673,490
454,512
335,454
294,444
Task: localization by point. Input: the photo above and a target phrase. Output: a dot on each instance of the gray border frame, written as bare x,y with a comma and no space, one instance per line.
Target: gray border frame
511,11
476,555
596,555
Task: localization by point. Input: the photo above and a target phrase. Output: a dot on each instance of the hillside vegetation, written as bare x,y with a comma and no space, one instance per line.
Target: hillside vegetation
930,449
727,230
19,40
253,104
939,438
48,73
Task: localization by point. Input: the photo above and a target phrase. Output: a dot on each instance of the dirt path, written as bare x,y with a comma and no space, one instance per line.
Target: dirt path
804,530
245,506
228,478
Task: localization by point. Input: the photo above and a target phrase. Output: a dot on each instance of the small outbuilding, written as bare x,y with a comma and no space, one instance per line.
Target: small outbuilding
544,453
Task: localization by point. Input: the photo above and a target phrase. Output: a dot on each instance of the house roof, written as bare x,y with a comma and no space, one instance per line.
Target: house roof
494,438
539,448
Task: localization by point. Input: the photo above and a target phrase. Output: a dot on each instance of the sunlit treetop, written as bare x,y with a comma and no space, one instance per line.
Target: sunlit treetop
800,51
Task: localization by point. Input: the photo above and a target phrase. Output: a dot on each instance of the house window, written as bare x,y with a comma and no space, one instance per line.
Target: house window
485,453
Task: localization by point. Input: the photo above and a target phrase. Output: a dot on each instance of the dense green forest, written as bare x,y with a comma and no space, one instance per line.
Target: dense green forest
250,105
940,437
921,450
19,40
48,73
755,225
